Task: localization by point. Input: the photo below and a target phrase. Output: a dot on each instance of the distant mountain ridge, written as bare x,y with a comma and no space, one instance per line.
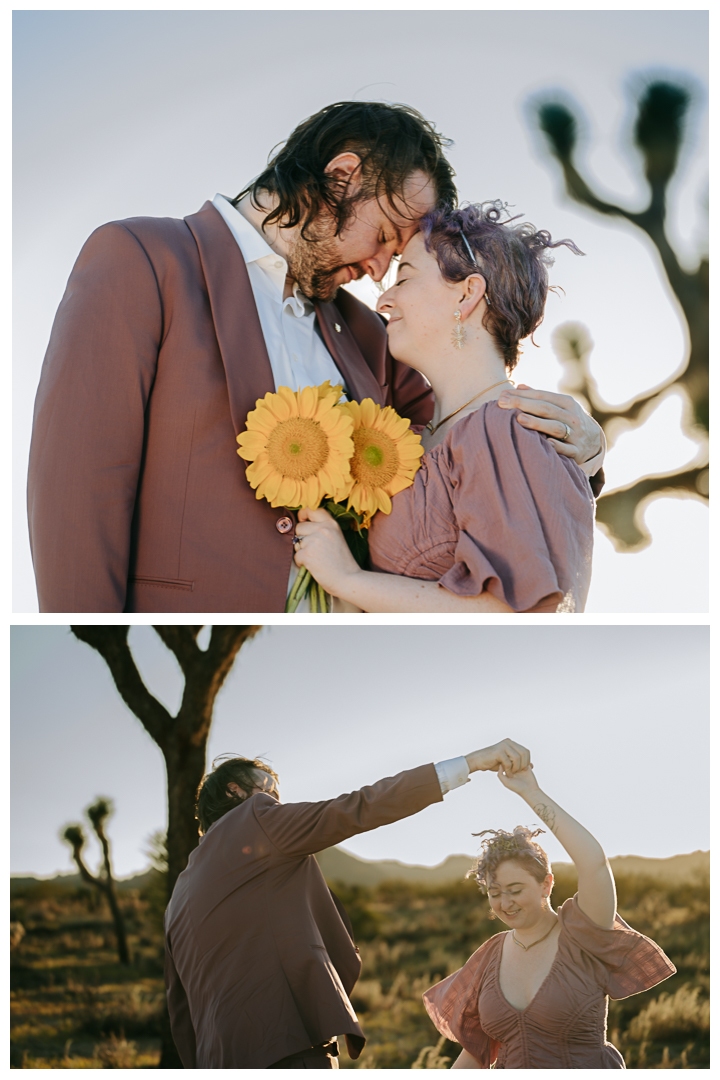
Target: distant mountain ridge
340,865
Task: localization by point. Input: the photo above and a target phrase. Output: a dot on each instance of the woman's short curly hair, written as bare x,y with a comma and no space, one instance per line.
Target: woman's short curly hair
501,846
513,259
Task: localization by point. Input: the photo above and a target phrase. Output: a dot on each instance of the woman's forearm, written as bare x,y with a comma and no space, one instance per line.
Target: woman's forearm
465,1061
373,592
596,886
581,846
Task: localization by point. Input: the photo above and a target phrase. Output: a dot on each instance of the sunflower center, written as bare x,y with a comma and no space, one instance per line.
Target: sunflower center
298,447
375,461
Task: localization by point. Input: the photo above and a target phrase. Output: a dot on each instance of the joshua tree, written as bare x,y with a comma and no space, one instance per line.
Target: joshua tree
182,738
98,814
658,134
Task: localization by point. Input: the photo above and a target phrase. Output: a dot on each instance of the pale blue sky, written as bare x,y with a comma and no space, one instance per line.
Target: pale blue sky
126,113
616,718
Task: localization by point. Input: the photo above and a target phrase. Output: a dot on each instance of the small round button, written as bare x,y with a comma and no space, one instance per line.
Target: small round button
284,524
278,265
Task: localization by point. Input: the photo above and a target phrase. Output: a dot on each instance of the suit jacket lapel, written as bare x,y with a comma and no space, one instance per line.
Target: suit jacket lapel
359,379
237,324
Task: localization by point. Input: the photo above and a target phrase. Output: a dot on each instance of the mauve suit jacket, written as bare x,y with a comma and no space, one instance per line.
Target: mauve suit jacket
259,962
137,500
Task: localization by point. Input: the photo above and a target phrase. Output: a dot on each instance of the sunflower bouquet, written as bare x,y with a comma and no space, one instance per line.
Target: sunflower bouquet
308,449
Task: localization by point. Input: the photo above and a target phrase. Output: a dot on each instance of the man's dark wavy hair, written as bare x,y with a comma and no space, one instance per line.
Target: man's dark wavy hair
392,141
512,256
213,801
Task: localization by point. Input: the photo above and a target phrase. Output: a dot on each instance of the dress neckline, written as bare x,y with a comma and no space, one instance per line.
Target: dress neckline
521,1012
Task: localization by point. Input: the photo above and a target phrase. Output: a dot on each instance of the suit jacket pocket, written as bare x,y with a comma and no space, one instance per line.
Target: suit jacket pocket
162,583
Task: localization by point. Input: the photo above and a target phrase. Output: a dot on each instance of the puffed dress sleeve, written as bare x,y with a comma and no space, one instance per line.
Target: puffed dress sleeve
524,515
452,1005
623,961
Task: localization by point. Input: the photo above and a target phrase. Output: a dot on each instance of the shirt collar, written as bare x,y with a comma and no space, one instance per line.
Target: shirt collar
255,249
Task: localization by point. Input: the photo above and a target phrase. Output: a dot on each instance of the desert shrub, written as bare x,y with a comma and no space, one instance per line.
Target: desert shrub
431,1058
131,1010
355,900
116,1053
672,1017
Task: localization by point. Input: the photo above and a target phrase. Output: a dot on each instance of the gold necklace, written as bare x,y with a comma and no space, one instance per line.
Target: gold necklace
432,428
526,947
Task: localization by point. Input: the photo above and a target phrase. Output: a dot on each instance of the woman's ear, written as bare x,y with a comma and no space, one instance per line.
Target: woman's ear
474,289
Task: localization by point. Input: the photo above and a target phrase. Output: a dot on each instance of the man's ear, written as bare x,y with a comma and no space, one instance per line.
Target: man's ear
346,169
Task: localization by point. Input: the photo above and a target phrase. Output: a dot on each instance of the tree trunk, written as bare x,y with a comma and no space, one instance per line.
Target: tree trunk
185,766
122,945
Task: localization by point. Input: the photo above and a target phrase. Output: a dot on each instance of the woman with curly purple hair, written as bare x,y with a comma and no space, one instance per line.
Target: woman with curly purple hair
496,519
535,997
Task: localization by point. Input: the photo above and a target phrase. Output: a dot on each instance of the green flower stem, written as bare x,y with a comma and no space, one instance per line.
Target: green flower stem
313,597
300,587
323,596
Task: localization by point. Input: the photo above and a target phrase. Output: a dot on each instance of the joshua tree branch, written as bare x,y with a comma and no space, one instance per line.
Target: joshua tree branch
112,644
182,641
622,514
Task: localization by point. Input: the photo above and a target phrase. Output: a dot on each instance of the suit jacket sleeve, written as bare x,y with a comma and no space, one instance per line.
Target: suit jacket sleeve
89,425
298,829
181,1025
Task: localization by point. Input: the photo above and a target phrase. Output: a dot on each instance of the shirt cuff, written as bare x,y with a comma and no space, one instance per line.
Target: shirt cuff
452,773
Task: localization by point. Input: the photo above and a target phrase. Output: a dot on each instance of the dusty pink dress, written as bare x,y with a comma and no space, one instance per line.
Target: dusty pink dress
493,507
565,1024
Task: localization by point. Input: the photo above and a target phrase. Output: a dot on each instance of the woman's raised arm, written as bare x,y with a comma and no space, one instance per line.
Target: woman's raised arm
596,885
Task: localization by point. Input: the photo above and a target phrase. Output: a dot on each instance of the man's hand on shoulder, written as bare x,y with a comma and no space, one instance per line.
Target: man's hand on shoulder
568,427
509,755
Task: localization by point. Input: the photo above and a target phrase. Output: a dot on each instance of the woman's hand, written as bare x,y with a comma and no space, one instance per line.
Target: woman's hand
322,549
523,783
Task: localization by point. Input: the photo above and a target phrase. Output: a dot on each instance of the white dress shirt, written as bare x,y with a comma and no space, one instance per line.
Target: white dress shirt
298,354
452,773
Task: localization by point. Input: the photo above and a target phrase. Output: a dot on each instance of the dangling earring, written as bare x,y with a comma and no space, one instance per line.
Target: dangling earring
458,334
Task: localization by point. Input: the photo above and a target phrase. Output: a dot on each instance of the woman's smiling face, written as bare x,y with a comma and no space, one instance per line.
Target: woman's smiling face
516,896
420,305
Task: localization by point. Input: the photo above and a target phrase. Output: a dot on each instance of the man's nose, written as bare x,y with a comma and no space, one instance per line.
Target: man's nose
378,264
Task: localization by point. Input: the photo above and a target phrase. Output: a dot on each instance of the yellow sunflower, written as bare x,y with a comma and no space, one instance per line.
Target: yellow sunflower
386,457
299,444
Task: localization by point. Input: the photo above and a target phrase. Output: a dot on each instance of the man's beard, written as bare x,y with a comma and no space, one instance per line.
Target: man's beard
314,264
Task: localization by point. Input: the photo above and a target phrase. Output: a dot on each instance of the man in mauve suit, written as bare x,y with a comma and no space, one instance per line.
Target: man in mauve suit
259,954
170,330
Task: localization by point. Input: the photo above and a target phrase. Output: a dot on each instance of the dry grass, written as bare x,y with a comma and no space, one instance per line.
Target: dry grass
422,936
74,1007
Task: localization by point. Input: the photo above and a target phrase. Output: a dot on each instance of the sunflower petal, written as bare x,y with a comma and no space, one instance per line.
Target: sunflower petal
368,412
